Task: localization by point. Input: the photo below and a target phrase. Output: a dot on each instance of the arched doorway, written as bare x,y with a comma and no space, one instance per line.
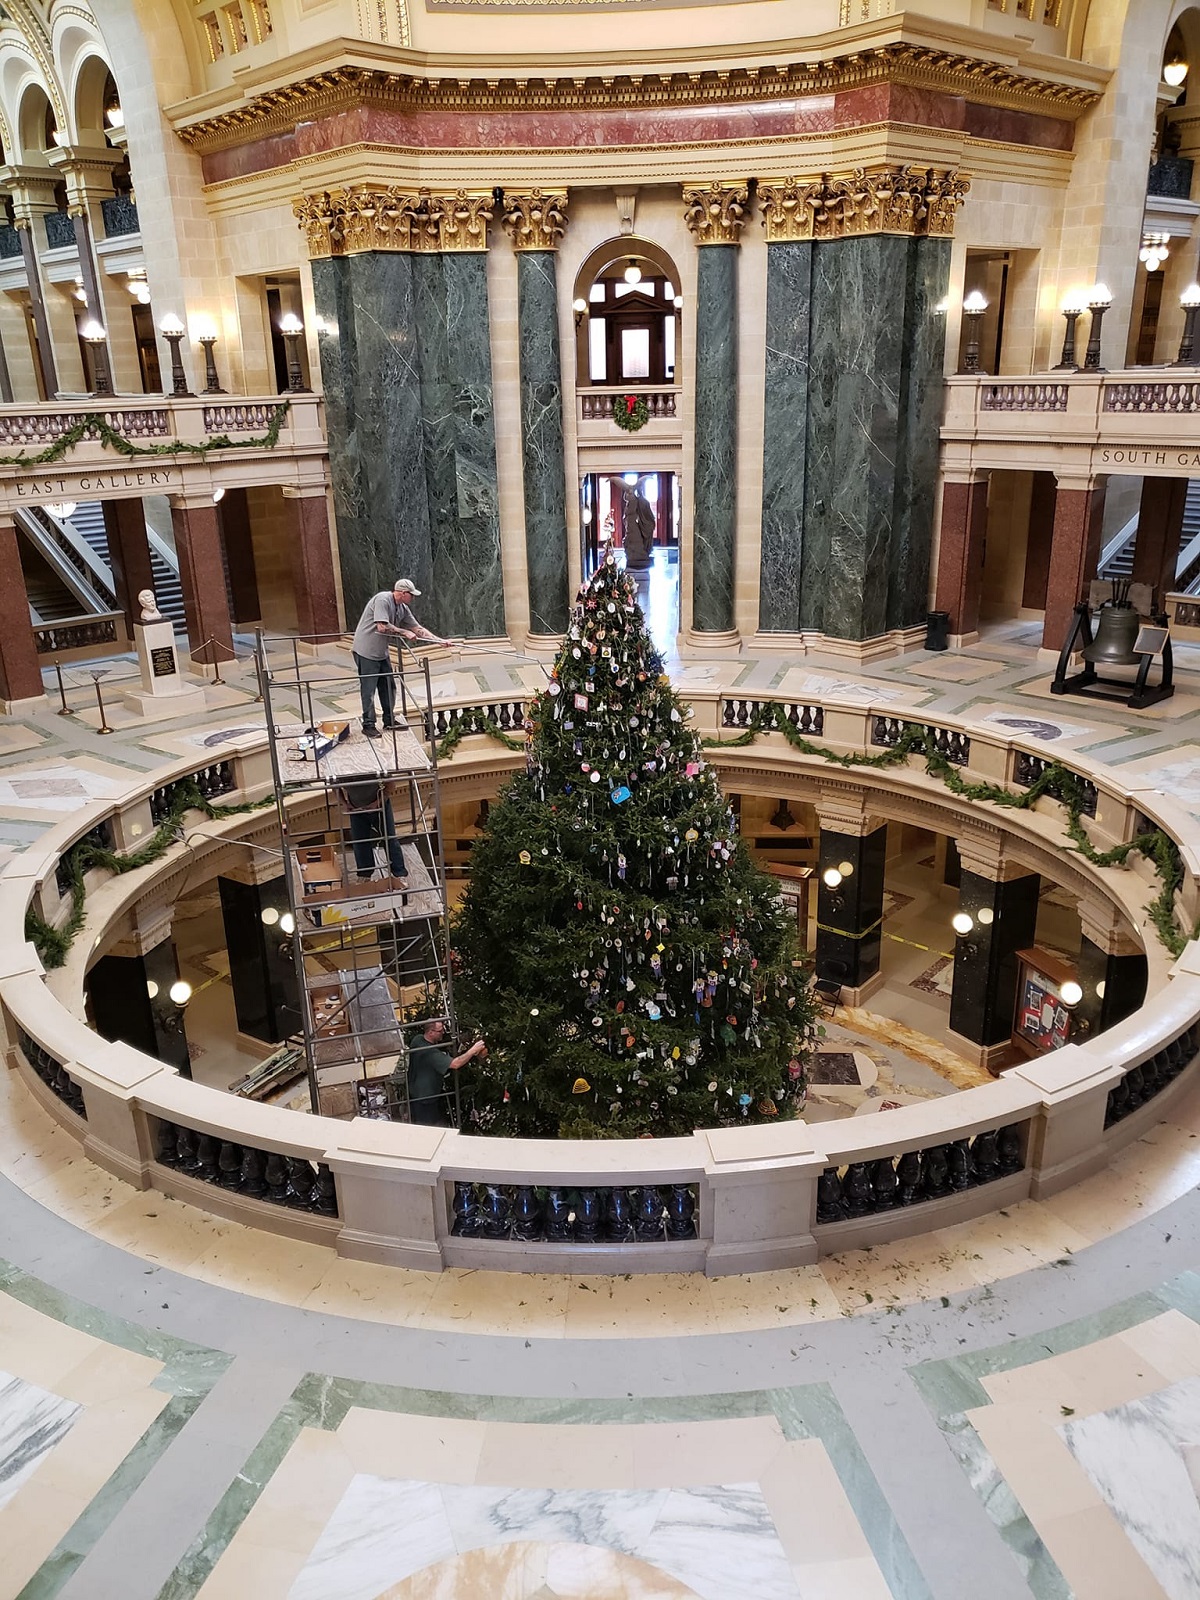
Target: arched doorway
627,371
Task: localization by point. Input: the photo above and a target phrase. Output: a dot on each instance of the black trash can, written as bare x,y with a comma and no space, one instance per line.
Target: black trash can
937,630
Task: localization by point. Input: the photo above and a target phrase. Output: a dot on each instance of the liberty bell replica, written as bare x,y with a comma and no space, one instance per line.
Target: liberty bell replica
1117,627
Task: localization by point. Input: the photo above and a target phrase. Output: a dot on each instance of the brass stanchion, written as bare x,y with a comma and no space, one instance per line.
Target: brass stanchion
104,727
64,709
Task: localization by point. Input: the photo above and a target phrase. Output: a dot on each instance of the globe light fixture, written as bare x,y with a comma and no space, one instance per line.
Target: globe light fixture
287,924
961,922
96,338
180,992
1190,301
1071,993
173,330
151,988
831,878
579,307
115,117
291,328
1099,299
973,308
1175,70
270,916
633,273
985,916
1073,308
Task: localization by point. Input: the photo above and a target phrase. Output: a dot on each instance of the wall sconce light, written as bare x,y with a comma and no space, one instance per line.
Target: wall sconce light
291,328
962,923
846,868
1071,993
579,307
1100,988
1175,70
973,308
173,330
585,516
633,273
269,915
151,988
287,924
678,302
212,384
1190,301
783,818
831,878
94,335
1099,300
180,992
985,916
115,117
218,496
1072,310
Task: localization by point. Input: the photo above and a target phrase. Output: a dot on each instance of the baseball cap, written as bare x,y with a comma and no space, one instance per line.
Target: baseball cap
406,583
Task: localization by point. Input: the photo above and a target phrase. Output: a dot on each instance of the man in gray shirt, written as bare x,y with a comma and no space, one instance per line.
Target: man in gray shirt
386,616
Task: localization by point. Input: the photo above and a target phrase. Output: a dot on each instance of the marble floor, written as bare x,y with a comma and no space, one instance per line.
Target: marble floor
1006,1409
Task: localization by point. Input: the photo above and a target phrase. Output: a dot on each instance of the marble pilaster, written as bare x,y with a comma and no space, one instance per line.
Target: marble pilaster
714,513
542,441
789,284
920,390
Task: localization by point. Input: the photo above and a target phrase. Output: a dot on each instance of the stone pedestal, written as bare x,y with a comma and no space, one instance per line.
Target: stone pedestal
164,692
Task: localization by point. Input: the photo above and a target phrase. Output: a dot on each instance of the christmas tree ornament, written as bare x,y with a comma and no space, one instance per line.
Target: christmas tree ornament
580,1086
524,858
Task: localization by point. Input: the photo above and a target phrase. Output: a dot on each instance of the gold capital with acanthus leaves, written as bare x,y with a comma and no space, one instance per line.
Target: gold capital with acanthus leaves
715,213
892,199
343,222
534,221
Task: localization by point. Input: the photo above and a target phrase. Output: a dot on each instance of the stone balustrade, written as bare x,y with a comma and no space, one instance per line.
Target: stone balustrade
91,469
723,1200
1138,421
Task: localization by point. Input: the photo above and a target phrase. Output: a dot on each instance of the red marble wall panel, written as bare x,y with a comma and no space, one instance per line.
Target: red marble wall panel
633,126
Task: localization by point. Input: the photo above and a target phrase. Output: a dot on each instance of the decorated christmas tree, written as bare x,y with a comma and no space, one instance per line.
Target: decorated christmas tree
632,970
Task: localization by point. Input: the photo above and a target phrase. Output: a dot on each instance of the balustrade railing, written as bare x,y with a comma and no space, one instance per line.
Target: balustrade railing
1023,397
806,719
1151,1077
862,1188
44,427
60,230
506,715
599,406
1169,396
212,781
1170,177
243,1169
76,633
52,1073
101,836
649,1214
887,732
238,418
90,576
120,216
1027,769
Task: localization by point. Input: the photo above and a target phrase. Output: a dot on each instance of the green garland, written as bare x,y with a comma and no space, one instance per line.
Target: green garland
94,422
1157,846
632,418
476,720
53,944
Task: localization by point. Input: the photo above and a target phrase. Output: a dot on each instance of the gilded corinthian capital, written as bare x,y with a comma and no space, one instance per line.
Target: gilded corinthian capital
715,214
905,200
341,222
534,221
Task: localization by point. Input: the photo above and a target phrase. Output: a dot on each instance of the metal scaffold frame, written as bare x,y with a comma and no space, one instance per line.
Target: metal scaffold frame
369,932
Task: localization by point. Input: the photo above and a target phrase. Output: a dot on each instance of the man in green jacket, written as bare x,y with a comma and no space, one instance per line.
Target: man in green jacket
429,1065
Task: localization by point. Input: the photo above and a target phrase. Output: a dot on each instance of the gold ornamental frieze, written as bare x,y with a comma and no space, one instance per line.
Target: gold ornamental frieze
346,222
534,221
715,214
893,199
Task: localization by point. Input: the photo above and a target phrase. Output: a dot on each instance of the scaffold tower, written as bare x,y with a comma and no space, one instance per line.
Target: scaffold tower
361,837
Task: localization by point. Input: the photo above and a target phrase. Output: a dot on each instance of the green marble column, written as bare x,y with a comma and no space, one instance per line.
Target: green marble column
714,496
370,373
542,441
407,372
874,394
789,289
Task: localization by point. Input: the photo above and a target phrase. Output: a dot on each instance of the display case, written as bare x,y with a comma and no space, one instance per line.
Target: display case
1043,1020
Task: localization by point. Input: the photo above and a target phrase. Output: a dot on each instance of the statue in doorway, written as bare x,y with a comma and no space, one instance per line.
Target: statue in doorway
149,605
638,524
